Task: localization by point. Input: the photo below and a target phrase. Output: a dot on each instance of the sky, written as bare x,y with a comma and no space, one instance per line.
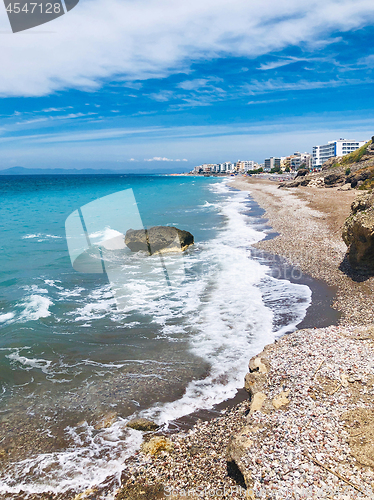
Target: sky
145,85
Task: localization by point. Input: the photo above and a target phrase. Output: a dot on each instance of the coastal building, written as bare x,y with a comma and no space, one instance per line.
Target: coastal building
227,167
243,166
271,163
298,160
334,148
207,168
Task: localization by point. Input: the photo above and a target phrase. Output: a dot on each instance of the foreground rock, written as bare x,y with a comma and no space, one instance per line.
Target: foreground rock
358,233
158,239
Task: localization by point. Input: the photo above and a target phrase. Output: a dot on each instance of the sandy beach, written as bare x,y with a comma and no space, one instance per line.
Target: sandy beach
306,431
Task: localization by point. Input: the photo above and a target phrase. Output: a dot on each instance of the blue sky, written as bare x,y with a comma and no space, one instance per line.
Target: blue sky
164,86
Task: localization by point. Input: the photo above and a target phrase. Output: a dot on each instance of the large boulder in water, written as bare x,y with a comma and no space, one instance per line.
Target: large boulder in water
160,239
358,233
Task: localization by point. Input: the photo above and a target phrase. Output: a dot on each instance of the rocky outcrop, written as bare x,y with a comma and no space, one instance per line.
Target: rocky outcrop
334,178
358,178
302,172
358,233
158,239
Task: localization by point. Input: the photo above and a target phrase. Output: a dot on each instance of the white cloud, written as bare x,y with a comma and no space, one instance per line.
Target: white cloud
279,85
102,39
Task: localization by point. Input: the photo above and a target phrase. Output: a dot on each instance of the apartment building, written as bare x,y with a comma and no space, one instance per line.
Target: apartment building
334,148
272,163
244,166
300,159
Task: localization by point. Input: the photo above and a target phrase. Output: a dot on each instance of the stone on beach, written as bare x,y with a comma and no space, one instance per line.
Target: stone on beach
156,445
142,424
158,239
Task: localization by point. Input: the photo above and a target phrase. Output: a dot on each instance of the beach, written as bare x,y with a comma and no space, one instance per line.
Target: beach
307,430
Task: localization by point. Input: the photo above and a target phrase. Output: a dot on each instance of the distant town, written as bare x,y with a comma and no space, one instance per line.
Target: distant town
284,164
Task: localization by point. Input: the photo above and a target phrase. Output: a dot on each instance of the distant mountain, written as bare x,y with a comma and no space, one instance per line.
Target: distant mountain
55,171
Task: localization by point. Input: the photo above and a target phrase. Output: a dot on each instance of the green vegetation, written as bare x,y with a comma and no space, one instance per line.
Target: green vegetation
287,169
348,171
368,184
275,170
355,156
256,171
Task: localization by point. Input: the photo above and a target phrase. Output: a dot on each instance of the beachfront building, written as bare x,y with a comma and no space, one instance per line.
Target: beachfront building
197,170
243,166
227,167
298,160
334,148
271,163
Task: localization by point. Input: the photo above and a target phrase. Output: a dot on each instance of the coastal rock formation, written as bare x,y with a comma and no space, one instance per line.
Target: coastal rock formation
358,233
334,178
159,239
302,172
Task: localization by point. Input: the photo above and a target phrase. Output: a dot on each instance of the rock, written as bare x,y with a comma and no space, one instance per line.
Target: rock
156,445
302,172
358,234
258,364
89,494
281,400
257,401
359,177
334,178
142,424
106,421
362,202
332,162
345,187
253,382
158,239
237,450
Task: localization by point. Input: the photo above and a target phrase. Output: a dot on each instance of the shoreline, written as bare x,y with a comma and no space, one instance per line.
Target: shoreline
313,241
231,444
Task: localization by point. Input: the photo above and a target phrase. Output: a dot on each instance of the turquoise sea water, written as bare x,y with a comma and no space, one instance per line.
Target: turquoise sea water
69,356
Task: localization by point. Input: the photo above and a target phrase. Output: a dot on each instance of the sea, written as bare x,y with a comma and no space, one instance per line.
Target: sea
84,349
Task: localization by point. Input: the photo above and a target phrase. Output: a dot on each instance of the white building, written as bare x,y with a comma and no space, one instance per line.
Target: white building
300,159
227,166
244,165
334,148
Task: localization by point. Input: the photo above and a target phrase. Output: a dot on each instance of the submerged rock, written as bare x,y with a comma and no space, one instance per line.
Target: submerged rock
159,239
142,424
358,233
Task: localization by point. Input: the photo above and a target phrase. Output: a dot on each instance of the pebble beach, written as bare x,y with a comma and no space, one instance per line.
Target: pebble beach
306,430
